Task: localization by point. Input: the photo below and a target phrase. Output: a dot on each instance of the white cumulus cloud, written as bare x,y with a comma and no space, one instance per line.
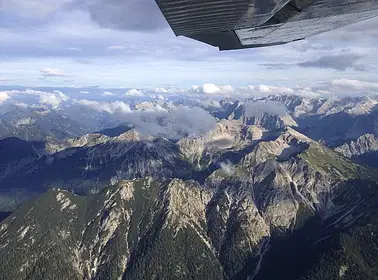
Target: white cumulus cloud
51,72
267,89
107,93
53,99
109,107
169,90
215,89
3,97
134,93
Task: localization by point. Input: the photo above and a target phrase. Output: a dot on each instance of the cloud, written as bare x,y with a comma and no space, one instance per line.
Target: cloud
28,96
174,123
107,93
74,49
54,99
169,90
355,85
274,89
21,104
135,15
227,168
50,72
116,48
255,109
324,91
108,107
3,97
340,62
134,93
212,89
266,90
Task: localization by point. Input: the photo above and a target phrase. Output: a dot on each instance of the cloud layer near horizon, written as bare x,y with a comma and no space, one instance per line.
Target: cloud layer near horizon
110,100
173,112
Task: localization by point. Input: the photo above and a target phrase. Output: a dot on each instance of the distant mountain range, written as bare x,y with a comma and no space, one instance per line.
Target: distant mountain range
271,192
332,121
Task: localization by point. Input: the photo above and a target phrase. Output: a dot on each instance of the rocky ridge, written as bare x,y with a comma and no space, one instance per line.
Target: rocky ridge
365,144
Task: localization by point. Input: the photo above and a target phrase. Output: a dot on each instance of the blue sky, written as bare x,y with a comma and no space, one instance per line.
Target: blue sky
118,43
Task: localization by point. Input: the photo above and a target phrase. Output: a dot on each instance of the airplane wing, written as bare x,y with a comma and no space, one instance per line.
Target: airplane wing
237,24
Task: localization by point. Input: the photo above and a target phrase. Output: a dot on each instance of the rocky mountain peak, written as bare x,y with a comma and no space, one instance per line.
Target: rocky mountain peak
364,144
131,135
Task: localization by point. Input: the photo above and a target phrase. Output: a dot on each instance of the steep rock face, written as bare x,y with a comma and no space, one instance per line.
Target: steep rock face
303,107
87,140
337,129
140,228
130,225
333,121
238,232
228,135
365,144
315,187
266,120
41,124
291,179
290,193
265,116
93,139
226,228
132,230
92,167
271,206
23,129
7,129
286,145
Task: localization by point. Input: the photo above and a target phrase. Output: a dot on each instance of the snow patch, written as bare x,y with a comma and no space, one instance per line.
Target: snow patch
59,196
65,201
3,227
23,231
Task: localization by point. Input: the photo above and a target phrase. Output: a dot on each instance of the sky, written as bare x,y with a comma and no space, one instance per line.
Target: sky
128,44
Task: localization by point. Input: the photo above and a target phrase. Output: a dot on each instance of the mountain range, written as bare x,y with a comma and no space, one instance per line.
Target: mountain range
283,187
